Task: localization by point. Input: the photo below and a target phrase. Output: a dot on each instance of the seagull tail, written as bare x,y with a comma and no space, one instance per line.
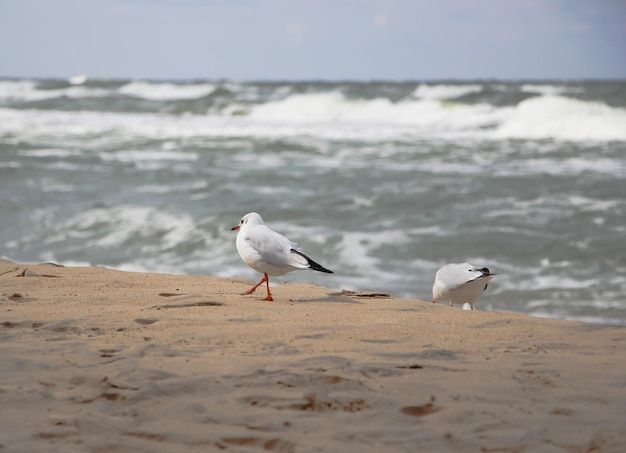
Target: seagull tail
312,264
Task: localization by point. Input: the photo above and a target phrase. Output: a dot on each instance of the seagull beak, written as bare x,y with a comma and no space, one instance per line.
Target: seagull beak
236,227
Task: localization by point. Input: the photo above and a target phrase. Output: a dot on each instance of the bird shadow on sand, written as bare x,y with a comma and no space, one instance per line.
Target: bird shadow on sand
346,296
329,298
181,300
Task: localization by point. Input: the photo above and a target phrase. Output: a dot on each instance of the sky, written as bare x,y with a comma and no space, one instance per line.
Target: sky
314,39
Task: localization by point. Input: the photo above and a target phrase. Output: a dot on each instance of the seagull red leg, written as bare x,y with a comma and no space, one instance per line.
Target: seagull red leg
253,289
269,295
267,282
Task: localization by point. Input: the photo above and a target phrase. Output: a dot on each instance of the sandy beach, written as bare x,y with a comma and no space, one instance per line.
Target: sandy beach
99,360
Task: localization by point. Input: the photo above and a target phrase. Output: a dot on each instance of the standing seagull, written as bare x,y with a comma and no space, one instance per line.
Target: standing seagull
269,252
460,283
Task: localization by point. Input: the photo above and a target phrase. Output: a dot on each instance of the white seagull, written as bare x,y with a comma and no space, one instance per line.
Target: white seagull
460,283
269,252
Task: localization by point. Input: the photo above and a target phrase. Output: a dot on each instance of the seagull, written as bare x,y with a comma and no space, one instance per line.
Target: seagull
460,283
269,252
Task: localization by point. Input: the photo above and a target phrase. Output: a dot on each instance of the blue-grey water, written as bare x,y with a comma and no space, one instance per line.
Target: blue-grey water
381,182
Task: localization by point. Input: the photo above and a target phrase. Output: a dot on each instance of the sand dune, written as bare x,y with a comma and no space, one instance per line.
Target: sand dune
97,360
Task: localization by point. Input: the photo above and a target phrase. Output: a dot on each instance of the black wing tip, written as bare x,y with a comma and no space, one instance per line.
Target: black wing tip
316,267
312,264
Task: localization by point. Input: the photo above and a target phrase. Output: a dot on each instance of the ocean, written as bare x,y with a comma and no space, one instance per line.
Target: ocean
382,182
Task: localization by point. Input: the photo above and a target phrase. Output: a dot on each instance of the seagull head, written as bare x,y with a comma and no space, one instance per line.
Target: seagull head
252,218
485,271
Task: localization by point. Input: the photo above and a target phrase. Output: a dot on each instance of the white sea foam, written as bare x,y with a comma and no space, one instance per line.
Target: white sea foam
560,282
434,92
11,90
543,117
50,257
153,235
315,107
587,319
593,204
51,152
439,166
28,91
549,90
166,91
563,118
334,108
147,155
78,79
331,115
355,251
124,223
564,166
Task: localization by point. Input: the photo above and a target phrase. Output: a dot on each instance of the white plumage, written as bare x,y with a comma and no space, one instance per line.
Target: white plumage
269,252
460,283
